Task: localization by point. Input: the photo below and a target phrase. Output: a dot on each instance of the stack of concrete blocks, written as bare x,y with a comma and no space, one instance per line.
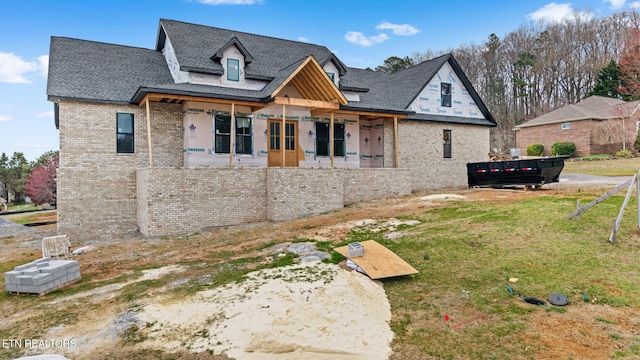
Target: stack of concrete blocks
42,276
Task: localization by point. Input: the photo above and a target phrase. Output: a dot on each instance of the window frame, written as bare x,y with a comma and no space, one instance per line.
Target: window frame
339,142
565,126
247,138
445,94
120,144
447,151
222,140
236,73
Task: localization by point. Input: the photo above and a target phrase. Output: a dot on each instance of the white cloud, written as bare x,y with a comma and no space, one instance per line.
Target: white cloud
402,30
4,118
555,13
229,2
14,70
43,65
303,39
46,114
359,39
616,4
634,4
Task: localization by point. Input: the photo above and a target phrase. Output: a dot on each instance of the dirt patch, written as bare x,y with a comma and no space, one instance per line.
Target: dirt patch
583,331
106,318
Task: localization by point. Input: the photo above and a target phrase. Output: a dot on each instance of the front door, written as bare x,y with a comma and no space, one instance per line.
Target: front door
290,143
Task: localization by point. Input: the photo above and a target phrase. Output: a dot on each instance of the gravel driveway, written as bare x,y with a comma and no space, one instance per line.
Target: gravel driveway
587,181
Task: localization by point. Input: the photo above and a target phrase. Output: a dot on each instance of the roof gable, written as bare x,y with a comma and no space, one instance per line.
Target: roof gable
310,80
233,42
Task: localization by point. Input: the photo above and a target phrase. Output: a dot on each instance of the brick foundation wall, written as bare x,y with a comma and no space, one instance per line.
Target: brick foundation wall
174,201
373,184
295,192
96,185
177,201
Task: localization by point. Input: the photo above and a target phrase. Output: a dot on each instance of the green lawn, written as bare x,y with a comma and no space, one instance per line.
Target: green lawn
611,167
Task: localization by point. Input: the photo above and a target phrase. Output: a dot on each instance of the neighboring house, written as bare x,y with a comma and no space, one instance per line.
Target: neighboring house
217,127
596,125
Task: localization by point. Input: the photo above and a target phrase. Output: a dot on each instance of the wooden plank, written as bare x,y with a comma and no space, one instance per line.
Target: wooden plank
379,262
600,199
616,224
149,133
395,142
304,102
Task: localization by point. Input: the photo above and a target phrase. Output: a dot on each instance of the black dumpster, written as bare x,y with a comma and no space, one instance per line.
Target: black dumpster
527,172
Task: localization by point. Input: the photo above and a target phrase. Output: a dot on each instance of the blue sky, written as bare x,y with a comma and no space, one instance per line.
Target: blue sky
361,33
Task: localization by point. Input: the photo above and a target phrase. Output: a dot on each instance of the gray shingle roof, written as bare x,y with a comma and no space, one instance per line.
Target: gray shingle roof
194,46
86,70
593,107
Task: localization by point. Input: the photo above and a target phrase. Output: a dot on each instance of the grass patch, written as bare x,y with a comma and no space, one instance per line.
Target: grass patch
610,167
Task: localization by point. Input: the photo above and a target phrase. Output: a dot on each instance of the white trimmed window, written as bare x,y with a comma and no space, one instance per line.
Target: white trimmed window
233,69
566,126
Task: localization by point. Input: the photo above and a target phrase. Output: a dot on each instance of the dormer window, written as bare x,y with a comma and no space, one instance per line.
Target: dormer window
233,69
332,76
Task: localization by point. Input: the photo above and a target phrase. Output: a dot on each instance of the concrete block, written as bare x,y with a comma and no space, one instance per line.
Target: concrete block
11,277
44,259
46,286
31,271
73,269
74,276
24,267
41,278
12,287
42,264
25,280
32,289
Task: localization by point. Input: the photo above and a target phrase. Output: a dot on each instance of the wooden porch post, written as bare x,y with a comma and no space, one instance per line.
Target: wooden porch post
331,135
232,134
395,141
149,133
282,131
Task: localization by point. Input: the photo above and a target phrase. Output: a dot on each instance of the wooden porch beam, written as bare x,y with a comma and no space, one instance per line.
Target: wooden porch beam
327,105
232,134
149,133
395,142
331,137
157,97
282,134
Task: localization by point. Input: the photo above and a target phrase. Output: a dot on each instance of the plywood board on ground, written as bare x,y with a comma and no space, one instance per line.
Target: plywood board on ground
379,262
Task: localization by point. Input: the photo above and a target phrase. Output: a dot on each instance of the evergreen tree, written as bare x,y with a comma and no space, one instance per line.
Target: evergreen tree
608,82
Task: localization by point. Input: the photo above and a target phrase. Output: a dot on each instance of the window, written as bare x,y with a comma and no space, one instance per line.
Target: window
222,138
446,137
332,76
243,135
222,131
566,126
124,133
445,94
322,139
233,69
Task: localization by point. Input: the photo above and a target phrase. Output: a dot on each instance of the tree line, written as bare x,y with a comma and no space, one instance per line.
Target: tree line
538,67
20,178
